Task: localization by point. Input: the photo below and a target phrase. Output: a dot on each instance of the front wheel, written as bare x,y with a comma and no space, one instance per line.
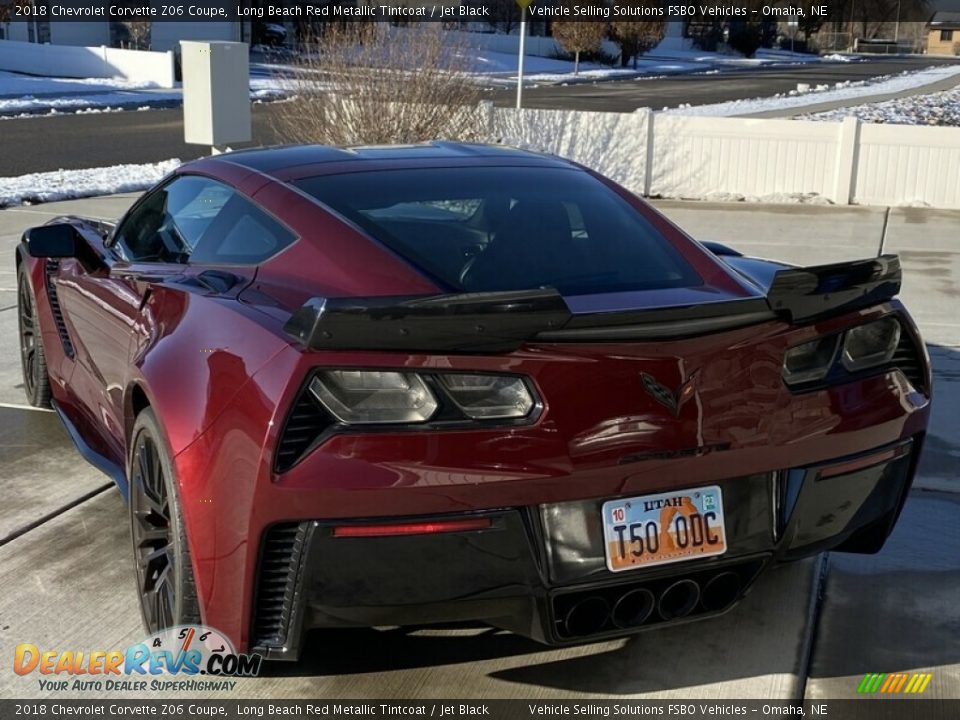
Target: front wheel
36,382
165,583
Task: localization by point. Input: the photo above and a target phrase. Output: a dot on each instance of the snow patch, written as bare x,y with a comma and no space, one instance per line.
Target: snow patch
941,108
780,198
70,184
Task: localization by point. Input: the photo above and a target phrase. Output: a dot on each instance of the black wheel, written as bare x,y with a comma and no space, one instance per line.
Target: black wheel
36,382
165,583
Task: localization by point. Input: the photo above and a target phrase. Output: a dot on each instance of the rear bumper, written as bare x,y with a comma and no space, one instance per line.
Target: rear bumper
540,571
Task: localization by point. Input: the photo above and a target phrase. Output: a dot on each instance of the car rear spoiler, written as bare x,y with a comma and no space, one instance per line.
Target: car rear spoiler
468,322
503,321
807,293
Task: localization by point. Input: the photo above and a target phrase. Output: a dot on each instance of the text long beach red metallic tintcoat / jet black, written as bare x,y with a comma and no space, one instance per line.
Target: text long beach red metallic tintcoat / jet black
399,385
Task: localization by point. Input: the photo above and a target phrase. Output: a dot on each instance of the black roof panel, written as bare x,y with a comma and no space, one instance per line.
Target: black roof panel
267,160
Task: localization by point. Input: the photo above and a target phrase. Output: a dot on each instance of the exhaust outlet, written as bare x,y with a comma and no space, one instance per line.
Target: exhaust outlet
679,599
587,617
633,608
721,591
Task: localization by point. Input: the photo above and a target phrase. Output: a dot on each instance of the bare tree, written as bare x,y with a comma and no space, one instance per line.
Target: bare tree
7,8
139,31
636,37
504,14
577,36
368,83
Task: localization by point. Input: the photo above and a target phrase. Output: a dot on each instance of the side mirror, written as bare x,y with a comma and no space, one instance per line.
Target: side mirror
58,240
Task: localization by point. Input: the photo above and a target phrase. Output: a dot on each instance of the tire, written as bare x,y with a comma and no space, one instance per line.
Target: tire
164,574
36,381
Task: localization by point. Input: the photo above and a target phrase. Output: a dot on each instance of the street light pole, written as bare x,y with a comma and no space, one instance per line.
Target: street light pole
523,39
896,27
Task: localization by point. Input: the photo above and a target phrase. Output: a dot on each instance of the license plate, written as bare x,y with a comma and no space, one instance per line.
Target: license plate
664,528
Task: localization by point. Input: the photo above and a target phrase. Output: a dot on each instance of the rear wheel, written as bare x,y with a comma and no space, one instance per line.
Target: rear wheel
165,583
36,382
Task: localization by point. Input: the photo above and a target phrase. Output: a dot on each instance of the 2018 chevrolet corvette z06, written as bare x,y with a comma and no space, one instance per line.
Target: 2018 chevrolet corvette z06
444,382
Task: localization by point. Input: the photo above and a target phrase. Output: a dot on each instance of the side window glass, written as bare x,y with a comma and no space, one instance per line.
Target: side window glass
241,234
167,226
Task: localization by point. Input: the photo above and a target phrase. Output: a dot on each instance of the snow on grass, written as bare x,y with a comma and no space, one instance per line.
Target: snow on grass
25,94
16,84
824,93
68,103
940,108
836,57
71,184
780,198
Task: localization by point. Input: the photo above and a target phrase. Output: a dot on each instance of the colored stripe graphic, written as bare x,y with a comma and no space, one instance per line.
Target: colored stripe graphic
894,683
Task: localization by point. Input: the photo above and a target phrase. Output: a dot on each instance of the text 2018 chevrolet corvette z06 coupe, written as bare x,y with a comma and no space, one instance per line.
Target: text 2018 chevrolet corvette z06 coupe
397,385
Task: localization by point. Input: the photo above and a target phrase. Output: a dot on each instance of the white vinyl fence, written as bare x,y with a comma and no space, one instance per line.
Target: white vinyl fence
87,62
674,156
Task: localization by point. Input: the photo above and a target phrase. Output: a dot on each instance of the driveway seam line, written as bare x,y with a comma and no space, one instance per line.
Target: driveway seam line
54,514
814,613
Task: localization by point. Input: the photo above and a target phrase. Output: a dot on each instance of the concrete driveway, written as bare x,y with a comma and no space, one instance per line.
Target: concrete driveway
810,630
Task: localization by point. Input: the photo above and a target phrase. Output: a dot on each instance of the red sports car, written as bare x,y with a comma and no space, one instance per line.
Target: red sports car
398,385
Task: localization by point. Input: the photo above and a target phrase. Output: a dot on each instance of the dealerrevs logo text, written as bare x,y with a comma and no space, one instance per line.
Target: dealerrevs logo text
181,651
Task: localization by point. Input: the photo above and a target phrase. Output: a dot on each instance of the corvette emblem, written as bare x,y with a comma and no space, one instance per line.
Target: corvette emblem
671,400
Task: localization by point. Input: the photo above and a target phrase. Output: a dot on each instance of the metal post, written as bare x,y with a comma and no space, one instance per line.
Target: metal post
523,39
896,28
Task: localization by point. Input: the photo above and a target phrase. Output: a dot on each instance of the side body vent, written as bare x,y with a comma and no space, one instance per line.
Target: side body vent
305,423
51,269
277,582
907,359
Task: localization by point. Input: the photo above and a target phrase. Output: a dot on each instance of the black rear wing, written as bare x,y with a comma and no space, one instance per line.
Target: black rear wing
807,293
468,322
492,322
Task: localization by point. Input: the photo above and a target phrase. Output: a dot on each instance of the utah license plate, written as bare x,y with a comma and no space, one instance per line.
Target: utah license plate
664,528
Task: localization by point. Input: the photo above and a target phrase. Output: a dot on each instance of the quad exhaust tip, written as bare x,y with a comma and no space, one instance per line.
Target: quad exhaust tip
721,591
588,616
633,608
679,600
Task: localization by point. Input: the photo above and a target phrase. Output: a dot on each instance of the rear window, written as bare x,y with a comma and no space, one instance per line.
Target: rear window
485,229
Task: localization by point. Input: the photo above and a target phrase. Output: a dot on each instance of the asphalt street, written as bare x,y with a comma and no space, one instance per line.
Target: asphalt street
39,144
809,630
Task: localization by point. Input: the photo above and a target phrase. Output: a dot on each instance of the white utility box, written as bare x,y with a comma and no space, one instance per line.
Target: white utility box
216,92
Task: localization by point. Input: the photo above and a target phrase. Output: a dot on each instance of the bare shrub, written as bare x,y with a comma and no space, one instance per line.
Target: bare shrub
365,83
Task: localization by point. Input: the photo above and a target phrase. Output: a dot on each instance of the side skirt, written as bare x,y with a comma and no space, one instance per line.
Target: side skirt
100,462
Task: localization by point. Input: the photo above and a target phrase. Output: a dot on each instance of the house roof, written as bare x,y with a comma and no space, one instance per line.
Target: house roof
945,19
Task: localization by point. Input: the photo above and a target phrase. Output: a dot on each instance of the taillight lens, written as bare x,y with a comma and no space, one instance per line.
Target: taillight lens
811,361
489,397
359,397
870,345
